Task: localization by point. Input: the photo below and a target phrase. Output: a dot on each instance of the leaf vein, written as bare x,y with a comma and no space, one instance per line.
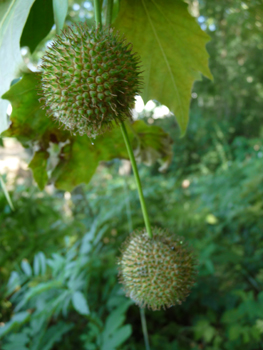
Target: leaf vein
164,56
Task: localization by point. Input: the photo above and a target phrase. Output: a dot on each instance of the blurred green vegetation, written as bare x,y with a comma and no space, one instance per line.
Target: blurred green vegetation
58,251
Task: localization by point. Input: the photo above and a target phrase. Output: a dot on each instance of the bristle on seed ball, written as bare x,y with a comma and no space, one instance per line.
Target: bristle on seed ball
157,272
89,79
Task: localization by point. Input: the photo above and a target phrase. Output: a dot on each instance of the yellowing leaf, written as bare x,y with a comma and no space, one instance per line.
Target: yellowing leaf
172,49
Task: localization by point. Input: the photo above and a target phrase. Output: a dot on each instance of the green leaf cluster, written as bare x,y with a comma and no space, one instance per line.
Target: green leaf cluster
170,62
57,288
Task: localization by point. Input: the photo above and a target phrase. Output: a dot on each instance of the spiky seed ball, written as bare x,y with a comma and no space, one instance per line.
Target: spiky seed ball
89,79
157,272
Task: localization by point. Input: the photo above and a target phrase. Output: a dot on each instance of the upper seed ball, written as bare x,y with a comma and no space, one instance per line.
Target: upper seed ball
89,79
157,272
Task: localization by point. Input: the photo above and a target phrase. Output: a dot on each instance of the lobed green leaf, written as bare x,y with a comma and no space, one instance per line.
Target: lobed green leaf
172,50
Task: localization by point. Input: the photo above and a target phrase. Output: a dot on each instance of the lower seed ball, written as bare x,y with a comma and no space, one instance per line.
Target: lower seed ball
157,272
89,79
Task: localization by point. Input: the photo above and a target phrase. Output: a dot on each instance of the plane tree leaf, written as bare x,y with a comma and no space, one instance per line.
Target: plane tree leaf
153,145
38,24
38,165
79,156
172,50
13,16
29,122
79,159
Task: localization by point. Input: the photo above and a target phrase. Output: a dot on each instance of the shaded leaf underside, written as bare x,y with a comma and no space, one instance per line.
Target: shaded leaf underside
38,24
79,157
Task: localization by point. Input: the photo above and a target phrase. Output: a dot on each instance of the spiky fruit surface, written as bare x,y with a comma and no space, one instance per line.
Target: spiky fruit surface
157,272
89,79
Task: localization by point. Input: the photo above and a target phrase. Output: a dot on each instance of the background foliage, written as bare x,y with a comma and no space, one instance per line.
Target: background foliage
58,251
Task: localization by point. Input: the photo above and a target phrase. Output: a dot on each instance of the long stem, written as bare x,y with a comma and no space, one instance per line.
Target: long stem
137,179
144,329
97,12
109,12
